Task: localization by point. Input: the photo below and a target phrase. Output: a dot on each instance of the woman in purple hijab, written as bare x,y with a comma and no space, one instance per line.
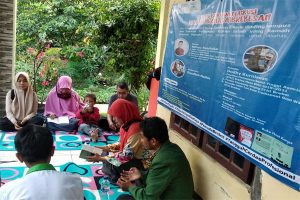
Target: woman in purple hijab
62,100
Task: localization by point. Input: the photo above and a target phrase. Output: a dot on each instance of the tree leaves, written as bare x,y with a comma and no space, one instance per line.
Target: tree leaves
117,37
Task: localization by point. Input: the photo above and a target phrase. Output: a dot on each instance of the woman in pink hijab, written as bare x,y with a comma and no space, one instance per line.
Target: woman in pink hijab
62,100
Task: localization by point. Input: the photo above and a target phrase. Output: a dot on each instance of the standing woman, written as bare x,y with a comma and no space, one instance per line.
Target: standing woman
21,105
128,151
62,100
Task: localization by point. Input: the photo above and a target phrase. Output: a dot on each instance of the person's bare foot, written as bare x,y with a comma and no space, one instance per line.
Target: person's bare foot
94,135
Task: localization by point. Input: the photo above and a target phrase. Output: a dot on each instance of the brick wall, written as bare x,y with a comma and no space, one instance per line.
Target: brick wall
6,49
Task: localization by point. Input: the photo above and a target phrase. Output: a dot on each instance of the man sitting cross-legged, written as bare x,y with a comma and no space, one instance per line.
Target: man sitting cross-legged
34,145
169,175
122,93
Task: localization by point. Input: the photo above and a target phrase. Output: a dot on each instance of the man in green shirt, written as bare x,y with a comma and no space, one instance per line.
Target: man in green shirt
169,175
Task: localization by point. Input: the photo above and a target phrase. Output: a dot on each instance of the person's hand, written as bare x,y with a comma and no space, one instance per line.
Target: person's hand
131,175
114,150
124,183
24,121
84,110
52,116
17,127
112,126
105,148
89,109
95,158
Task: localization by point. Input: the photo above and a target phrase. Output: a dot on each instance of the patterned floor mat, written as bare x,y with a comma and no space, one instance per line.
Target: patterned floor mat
63,140
91,176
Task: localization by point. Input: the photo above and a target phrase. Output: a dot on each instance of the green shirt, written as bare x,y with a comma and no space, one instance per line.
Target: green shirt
40,167
169,176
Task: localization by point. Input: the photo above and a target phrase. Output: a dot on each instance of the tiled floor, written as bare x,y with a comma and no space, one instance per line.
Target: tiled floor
60,158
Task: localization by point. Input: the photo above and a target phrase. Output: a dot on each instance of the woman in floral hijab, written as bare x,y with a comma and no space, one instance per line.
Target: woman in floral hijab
128,151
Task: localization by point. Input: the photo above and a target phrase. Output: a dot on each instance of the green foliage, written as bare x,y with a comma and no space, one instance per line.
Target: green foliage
63,22
129,29
84,64
143,97
43,92
103,41
102,93
43,66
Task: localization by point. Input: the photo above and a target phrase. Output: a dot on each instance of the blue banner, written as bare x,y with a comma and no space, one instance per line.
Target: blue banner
231,68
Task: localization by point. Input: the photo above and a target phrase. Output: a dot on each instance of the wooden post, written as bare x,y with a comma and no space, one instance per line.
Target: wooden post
7,49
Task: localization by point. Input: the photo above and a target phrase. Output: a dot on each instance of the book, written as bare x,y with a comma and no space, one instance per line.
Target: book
246,135
88,150
59,120
114,161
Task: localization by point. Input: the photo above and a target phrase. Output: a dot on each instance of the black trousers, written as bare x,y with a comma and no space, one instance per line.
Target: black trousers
114,172
7,125
125,197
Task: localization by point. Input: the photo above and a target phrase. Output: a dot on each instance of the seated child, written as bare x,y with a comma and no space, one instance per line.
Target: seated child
89,117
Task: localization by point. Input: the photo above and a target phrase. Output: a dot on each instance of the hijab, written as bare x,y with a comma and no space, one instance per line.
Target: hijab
63,106
127,112
22,104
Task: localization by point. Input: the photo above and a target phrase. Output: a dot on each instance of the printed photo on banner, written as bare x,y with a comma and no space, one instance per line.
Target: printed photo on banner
239,132
260,142
181,47
178,68
260,58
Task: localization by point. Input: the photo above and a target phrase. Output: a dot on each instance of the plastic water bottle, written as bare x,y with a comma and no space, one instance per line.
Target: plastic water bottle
105,185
